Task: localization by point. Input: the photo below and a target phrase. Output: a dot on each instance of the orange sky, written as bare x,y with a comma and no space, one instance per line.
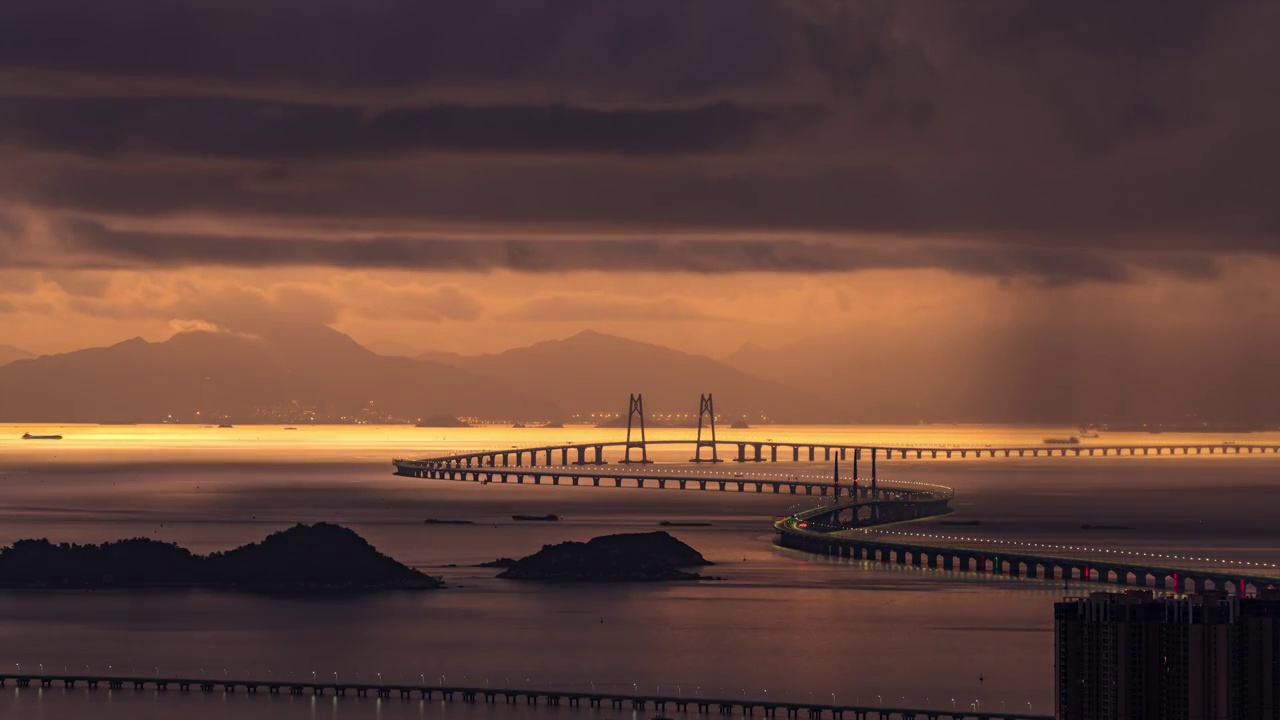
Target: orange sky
474,176
402,312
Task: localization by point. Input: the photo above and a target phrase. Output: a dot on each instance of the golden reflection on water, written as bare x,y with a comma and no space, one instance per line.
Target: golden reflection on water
364,443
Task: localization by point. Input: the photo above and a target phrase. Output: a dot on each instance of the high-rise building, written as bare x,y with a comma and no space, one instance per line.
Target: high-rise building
1135,656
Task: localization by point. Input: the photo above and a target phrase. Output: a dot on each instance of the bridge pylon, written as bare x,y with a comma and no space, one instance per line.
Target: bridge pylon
635,417
707,417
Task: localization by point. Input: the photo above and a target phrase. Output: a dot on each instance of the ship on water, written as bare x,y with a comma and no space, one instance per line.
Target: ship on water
29,436
1073,440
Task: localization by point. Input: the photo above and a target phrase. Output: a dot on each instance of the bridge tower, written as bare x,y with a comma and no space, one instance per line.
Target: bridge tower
707,417
635,416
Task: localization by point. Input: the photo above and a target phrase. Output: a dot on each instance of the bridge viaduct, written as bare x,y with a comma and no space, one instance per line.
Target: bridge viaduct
703,706
771,451
839,529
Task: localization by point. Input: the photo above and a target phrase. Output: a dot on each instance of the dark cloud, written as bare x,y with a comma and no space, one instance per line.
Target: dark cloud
1048,135
270,132
344,48
85,243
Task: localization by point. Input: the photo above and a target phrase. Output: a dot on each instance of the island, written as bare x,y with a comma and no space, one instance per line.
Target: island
629,557
304,558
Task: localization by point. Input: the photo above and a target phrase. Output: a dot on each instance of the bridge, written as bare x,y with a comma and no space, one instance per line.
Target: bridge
840,530
594,453
702,706
859,504
663,480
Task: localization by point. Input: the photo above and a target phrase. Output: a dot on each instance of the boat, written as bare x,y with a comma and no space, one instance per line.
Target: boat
29,436
291,428
1073,440
537,518
683,523
226,425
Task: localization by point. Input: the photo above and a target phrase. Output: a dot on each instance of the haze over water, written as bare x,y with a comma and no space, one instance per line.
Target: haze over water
777,621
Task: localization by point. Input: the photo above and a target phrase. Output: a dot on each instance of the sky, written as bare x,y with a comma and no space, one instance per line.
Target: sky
437,175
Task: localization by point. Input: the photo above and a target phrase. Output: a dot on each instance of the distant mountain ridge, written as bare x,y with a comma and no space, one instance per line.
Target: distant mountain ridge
9,353
593,372
232,374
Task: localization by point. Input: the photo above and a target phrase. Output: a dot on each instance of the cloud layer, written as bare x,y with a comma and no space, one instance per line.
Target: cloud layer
1014,138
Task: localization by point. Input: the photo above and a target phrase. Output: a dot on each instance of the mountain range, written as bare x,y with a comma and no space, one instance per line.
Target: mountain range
591,371
9,353
231,375
234,375
983,374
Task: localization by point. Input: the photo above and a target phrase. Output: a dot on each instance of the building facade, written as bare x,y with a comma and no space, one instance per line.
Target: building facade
1135,656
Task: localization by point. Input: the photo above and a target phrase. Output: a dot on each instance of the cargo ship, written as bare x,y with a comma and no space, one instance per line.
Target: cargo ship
1073,440
29,436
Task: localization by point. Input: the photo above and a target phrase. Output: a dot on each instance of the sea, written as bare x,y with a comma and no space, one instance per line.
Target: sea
772,624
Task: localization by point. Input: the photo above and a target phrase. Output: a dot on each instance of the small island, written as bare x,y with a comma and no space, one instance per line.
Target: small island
305,558
630,557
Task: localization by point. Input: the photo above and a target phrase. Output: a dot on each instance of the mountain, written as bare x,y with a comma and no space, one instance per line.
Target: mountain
9,353
626,557
302,558
231,374
592,372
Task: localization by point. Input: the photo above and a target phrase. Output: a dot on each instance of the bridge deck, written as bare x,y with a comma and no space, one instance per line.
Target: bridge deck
546,696
777,450
818,529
